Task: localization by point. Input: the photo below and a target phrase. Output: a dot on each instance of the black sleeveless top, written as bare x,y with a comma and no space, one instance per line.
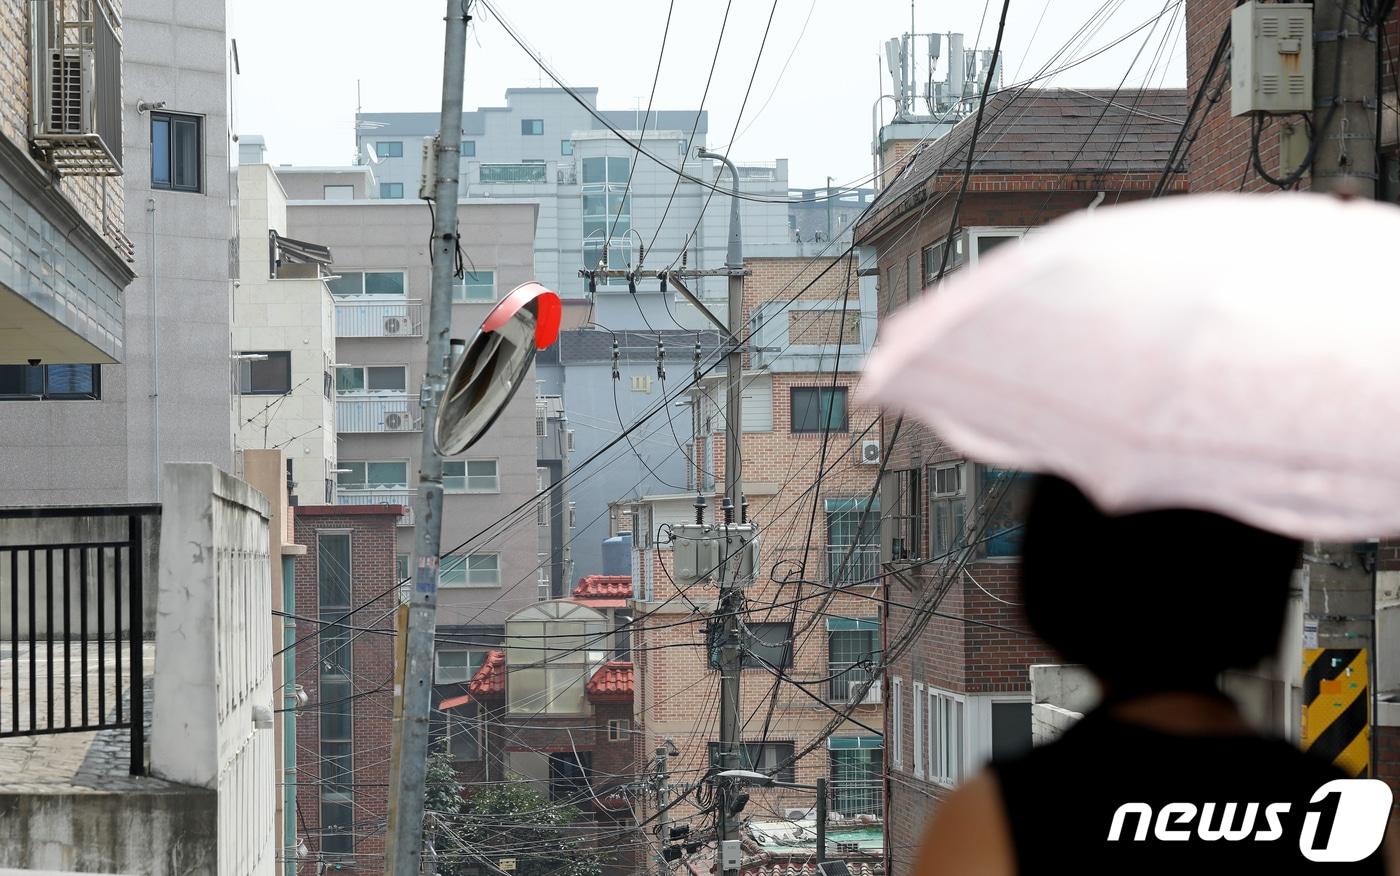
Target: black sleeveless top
1061,800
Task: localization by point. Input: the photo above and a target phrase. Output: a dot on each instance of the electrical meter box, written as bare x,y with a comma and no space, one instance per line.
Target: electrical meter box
731,855
1271,60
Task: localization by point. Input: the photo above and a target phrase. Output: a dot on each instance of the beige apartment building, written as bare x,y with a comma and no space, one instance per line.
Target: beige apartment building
381,289
813,614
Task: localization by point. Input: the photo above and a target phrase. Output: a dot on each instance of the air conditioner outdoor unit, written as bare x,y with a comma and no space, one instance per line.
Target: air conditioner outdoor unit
397,326
397,421
70,92
870,452
872,697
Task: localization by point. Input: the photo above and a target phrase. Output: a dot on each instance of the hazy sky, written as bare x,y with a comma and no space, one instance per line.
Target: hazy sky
812,94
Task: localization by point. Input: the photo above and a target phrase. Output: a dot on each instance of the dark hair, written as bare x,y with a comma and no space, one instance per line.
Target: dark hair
1154,600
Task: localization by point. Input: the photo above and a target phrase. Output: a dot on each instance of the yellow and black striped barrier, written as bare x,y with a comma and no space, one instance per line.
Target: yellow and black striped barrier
1336,708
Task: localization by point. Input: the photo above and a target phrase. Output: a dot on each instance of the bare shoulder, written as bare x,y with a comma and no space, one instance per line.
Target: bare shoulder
968,834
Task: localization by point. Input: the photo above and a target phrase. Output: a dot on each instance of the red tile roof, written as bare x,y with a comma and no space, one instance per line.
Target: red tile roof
490,679
454,702
612,683
604,587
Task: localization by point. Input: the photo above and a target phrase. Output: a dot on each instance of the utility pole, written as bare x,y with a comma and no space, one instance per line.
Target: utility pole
821,819
730,588
828,206
422,610
663,799
1339,578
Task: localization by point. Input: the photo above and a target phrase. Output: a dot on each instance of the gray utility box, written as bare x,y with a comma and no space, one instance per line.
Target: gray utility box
1271,63
701,549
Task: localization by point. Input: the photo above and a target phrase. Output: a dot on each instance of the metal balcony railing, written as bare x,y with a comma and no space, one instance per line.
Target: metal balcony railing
514,173
73,622
861,568
404,497
378,319
849,677
359,414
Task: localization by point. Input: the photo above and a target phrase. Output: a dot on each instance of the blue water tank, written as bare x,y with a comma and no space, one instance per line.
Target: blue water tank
617,554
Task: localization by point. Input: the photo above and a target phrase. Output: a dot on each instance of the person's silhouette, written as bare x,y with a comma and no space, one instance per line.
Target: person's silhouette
1156,605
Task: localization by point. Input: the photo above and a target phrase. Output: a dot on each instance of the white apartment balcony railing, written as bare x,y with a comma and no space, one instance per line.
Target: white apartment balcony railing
861,568
402,497
382,413
378,318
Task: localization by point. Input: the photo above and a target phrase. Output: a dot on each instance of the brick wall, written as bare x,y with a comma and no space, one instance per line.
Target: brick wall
373,536
99,199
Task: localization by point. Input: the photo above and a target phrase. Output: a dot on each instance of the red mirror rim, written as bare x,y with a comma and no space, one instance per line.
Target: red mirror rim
548,312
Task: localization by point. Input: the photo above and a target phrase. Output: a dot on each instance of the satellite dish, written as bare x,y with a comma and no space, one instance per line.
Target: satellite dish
495,364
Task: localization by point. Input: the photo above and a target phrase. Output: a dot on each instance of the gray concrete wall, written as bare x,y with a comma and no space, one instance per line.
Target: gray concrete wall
56,452
392,235
162,833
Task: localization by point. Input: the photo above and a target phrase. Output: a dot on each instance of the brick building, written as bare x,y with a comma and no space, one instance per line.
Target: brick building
959,693
810,614
346,668
553,707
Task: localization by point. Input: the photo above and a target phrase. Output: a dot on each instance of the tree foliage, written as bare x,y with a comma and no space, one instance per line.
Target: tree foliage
505,821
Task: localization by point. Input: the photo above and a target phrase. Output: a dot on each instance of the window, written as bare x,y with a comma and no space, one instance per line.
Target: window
766,644
389,149
327,384
947,510
619,730
475,286
334,691
852,646
933,255
818,409
946,737
468,148
568,776
270,375
351,283
401,567
532,127
524,172
904,523
472,570
566,147
912,271
856,774
373,475
464,733
762,757
391,190
338,193
1004,496
175,152
371,378
607,211
457,667
852,541
1011,728
985,243
470,476
50,382
919,729
897,722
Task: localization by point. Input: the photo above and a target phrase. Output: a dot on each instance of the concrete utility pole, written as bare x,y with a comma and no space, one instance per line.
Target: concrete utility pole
821,819
1339,579
730,588
663,799
422,604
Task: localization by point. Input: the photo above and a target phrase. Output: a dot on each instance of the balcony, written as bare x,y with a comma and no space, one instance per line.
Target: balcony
373,414
399,496
861,568
401,318
514,173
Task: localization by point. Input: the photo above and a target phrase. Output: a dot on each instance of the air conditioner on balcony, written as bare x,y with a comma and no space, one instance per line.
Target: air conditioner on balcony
397,421
397,326
872,697
870,452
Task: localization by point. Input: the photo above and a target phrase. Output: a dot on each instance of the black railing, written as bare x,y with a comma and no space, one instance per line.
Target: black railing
71,601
